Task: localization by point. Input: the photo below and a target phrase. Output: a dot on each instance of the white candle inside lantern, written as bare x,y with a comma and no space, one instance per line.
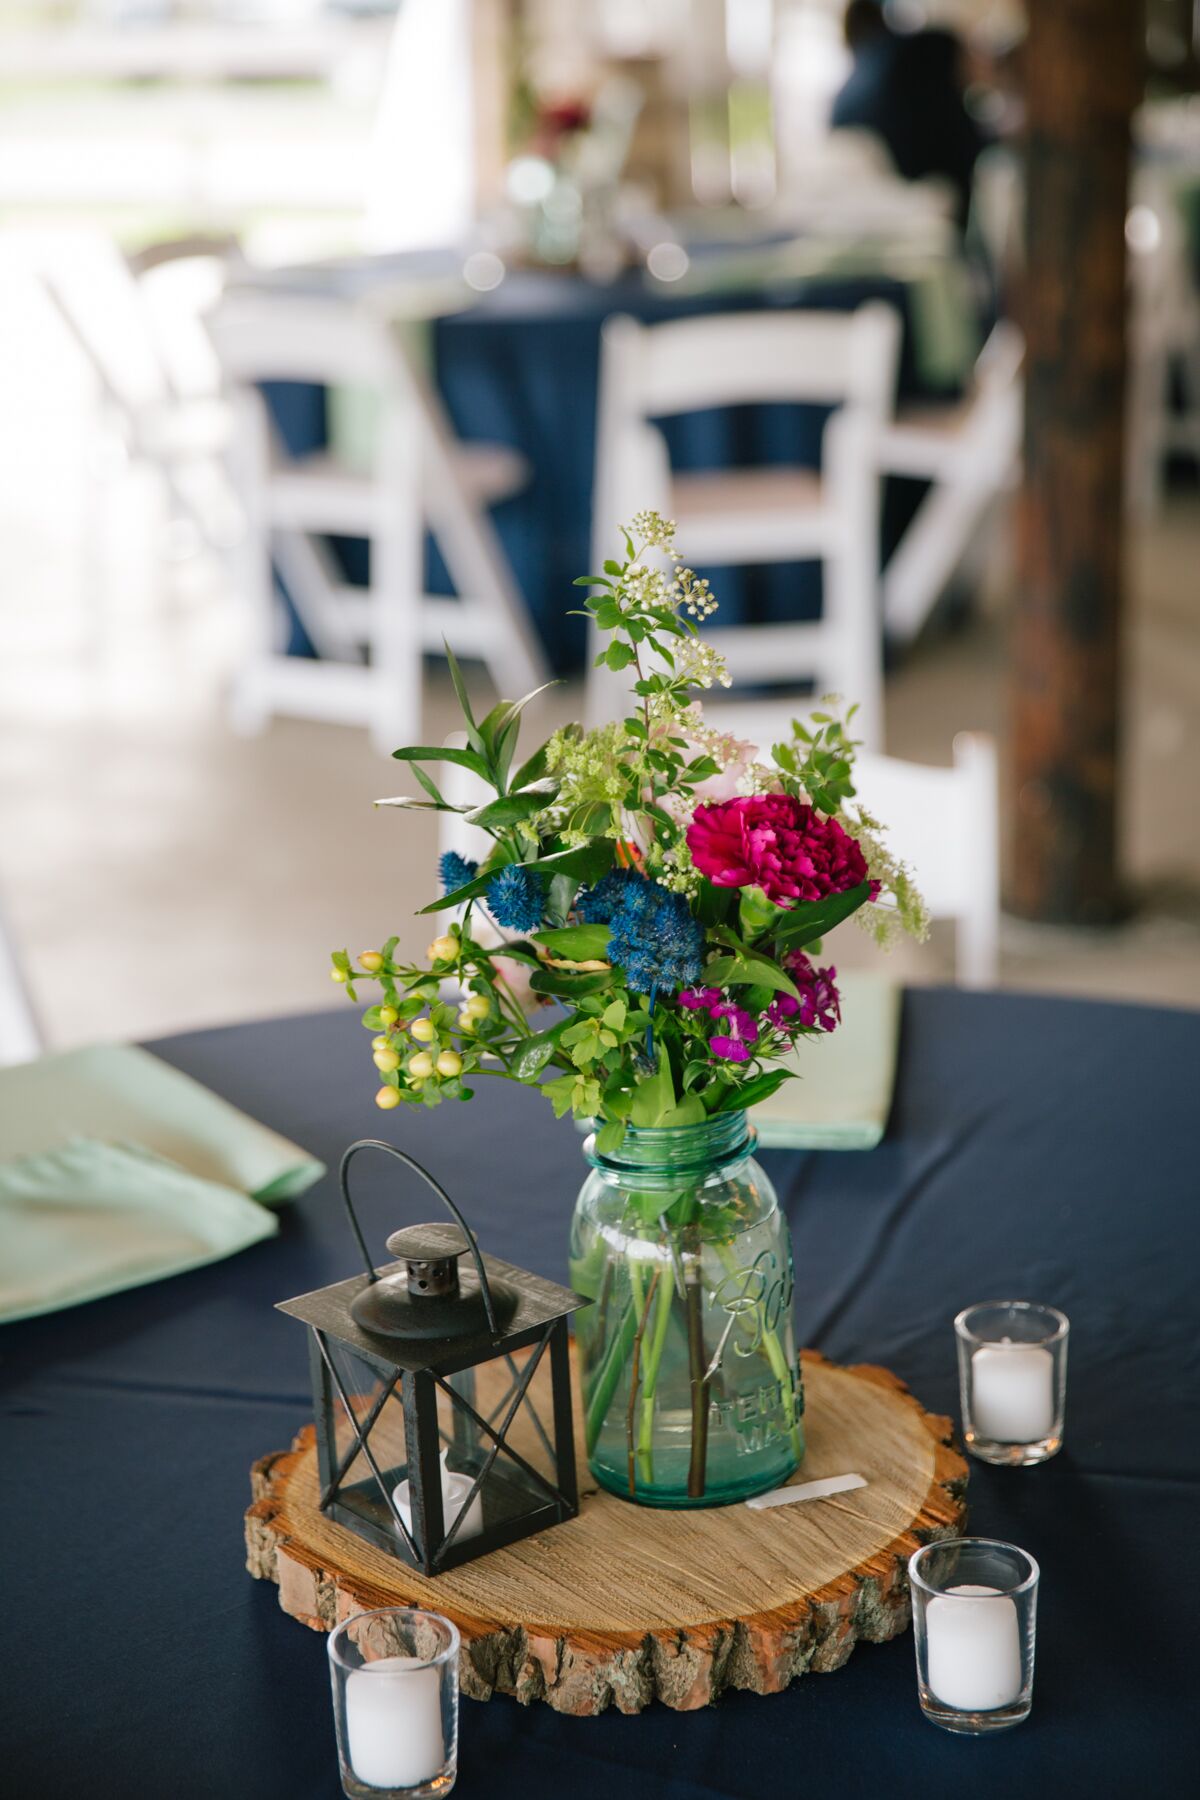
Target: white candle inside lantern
1012,1392
455,1488
394,1722
973,1648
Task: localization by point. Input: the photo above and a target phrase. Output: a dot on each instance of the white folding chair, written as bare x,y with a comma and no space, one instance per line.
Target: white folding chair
944,823
177,426
421,478
761,515
969,452
1164,338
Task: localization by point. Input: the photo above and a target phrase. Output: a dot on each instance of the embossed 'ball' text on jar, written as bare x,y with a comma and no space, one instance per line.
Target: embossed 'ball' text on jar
691,1385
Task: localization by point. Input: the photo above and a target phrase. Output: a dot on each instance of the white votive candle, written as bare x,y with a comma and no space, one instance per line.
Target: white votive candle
1012,1392
973,1648
455,1488
394,1722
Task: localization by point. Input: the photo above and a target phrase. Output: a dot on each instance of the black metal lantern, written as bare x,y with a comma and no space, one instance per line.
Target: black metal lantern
443,1393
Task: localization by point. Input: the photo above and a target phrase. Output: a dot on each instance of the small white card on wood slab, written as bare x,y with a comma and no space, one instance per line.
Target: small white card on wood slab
807,1490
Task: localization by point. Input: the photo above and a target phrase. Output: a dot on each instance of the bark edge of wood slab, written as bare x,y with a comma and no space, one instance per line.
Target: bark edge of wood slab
628,1604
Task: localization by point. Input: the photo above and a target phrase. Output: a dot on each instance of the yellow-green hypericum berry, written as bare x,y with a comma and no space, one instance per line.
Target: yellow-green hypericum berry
386,1061
388,1016
381,1043
423,1030
338,975
386,1098
478,1005
371,961
443,949
421,1066
466,1023
449,1063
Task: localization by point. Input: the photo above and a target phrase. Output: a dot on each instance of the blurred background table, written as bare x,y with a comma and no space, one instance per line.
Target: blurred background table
520,366
1037,1147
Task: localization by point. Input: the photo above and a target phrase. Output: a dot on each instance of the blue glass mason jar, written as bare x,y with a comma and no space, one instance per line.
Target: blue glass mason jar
691,1385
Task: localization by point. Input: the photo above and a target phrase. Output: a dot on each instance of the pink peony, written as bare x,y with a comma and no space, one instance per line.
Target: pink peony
777,843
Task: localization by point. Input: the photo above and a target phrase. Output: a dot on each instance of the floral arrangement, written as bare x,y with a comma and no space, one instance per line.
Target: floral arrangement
640,939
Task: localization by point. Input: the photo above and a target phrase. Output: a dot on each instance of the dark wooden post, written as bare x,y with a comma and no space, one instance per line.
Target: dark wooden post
1083,73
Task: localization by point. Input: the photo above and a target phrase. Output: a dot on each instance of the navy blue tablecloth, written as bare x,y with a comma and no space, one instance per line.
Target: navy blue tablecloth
521,368
1038,1148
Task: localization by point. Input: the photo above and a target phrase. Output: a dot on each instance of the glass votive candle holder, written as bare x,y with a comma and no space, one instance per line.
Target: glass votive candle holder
1012,1372
395,1703
974,1603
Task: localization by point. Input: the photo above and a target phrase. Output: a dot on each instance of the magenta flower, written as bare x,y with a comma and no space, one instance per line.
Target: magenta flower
777,843
734,1044
699,999
820,1007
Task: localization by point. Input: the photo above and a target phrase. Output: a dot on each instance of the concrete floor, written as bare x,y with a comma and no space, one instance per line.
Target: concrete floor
159,873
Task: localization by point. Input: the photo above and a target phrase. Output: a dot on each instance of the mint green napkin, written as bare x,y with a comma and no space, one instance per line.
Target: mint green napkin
121,1170
844,1095
92,1219
118,1092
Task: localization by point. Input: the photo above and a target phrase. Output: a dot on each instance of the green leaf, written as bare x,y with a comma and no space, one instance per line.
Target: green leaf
587,861
654,1096
755,912
561,1093
506,744
690,1111
713,905
755,999
512,709
470,890
593,817
613,568
558,901
531,771
514,808
569,984
460,688
618,656
813,918
609,1137
430,786
759,1087
466,759
747,971
534,1053
581,943
406,803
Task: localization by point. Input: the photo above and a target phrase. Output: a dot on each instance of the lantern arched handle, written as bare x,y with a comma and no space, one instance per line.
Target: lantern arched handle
411,1162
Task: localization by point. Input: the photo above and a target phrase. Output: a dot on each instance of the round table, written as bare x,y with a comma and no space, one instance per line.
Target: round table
1039,1148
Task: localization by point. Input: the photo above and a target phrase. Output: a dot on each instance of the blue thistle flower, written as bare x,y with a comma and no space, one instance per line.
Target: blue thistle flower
456,871
516,898
654,938
595,905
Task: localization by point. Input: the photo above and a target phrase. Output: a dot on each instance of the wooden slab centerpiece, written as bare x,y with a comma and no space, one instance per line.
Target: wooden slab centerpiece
628,1604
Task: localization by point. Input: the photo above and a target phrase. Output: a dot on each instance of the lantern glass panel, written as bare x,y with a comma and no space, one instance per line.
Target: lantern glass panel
512,1487
370,1404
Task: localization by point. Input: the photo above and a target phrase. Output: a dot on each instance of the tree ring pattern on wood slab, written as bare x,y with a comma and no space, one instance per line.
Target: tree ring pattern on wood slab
628,1604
